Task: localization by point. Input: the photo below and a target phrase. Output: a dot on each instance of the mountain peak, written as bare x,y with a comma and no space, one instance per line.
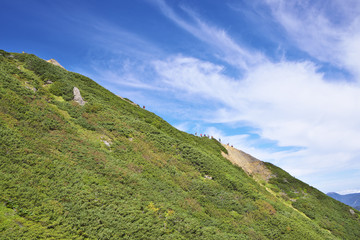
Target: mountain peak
56,63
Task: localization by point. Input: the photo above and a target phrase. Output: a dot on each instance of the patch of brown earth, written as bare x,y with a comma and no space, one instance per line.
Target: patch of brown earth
252,166
56,63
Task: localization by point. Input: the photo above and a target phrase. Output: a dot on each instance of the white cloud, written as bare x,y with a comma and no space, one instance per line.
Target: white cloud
349,191
195,76
328,31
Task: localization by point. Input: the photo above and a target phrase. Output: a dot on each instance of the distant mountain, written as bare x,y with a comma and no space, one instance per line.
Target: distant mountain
352,199
78,162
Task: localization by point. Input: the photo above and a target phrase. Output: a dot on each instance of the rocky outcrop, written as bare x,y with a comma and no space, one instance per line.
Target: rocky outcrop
208,177
28,86
56,63
77,96
31,88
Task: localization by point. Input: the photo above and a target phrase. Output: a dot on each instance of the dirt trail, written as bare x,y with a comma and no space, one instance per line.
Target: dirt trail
251,165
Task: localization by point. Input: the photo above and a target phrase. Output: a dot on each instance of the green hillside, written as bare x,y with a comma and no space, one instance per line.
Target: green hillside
112,170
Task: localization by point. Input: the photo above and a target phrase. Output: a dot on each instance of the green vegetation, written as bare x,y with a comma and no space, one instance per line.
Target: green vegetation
324,211
112,170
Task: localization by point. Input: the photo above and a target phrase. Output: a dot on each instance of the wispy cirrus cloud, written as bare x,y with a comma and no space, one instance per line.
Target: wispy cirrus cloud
223,45
118,57
328,31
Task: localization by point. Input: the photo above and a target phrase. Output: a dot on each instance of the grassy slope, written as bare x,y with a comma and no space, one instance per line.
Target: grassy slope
58,179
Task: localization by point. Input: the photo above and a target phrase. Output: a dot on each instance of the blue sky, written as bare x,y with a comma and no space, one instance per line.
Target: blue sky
277,79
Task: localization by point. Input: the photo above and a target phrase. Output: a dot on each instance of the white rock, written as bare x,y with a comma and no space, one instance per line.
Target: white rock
77,96
352,212
106,143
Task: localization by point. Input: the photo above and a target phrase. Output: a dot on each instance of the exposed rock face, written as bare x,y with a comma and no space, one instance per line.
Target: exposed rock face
77,96
56,63
249,164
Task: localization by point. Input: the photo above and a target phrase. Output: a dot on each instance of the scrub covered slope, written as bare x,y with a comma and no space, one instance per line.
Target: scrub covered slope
111,170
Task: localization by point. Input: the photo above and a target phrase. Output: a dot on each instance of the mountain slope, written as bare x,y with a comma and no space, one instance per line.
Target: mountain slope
111,170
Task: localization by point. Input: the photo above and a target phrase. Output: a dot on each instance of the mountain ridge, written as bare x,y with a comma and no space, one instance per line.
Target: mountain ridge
110,169
351,199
